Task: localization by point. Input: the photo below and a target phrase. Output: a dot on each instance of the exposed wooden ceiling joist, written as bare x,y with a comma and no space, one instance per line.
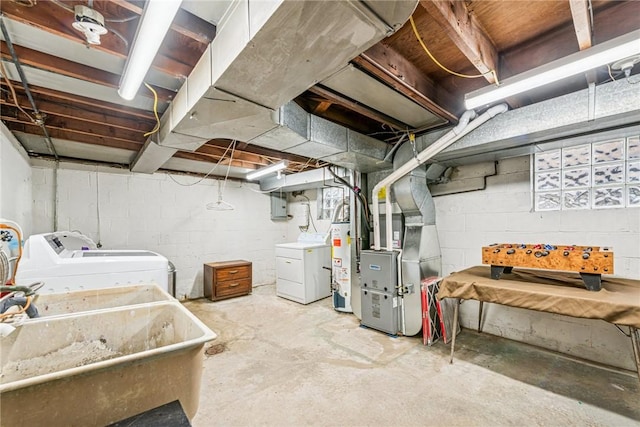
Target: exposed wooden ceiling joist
75,125
264,152
71,135
395,70
581,22
336,98
67,68
184,23
204,157
49,17
83,101
467,34
87,113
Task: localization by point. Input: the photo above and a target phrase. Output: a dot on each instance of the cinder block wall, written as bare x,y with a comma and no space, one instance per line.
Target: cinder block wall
139,211
502,213
15,181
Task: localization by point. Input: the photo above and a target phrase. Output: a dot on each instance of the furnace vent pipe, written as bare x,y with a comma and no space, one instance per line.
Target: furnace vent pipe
468,122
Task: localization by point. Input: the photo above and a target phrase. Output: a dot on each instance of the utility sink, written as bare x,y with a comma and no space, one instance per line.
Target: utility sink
99,367
74,302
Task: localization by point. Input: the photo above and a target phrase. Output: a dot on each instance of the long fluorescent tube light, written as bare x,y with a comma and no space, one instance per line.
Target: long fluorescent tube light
154,24
267,170
576,63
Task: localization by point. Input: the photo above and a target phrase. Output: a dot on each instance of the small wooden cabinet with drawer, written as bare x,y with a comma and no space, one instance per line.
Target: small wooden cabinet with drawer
227,279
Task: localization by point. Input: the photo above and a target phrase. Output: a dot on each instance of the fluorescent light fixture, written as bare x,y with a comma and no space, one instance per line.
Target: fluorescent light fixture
154,24
576,63
267,170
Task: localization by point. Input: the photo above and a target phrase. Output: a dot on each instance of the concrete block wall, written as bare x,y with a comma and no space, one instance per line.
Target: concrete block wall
15,181
296,208
140,211
503,213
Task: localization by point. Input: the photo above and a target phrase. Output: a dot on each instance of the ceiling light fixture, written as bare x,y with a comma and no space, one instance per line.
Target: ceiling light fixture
576,63
154,24
276,167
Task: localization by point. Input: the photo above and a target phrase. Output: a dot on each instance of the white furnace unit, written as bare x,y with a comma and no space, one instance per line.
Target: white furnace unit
303,269
46,259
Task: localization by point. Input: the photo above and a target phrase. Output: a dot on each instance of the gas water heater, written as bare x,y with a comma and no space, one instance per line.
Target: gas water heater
341,246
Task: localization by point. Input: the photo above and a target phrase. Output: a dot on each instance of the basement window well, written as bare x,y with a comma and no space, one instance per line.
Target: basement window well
599,175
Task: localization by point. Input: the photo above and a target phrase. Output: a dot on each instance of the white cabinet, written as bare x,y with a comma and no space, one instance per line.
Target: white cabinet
303,271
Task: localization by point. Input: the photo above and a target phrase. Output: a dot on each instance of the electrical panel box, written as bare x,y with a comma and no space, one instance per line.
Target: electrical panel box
278,206
379,270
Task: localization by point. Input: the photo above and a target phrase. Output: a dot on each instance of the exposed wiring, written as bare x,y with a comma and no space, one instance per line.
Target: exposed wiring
116,33
221,205
64,6
119,35
610,75
156,128
13,92
208,173
22,310
26,3
23,79
363,200
119,20
305,165
466,76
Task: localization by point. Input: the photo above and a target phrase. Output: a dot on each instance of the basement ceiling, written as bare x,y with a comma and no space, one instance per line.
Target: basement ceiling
388,90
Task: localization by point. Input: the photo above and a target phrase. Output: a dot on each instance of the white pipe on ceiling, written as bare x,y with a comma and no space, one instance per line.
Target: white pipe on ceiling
468,122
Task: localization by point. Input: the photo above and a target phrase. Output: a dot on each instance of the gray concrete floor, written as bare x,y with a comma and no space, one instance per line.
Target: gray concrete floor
283,363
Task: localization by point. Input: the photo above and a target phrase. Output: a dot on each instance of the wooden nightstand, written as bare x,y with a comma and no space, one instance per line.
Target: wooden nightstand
227,279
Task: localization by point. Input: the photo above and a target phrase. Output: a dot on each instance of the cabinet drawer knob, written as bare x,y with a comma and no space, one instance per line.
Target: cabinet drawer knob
288,262
233,271
233,285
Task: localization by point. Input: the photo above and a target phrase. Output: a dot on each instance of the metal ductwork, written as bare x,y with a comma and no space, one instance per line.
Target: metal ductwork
421,248
555,122
301,133
264,55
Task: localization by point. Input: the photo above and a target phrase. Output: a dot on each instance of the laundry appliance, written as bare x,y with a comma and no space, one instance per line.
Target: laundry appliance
303,268
47,259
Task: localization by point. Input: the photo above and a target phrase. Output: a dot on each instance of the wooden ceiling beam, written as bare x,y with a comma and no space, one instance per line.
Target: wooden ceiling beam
53,64
582,26
75,125
266,152
392,68
204,157
466,33
219,152
49,17
74,136
581,22
184,23
322,107
85,102
87,114
336,98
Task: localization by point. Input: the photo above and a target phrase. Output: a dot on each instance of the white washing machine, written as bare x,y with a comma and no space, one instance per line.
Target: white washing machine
45,258
303,269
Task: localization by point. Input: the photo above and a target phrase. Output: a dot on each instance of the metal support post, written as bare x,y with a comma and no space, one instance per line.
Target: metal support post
636,348
455,328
